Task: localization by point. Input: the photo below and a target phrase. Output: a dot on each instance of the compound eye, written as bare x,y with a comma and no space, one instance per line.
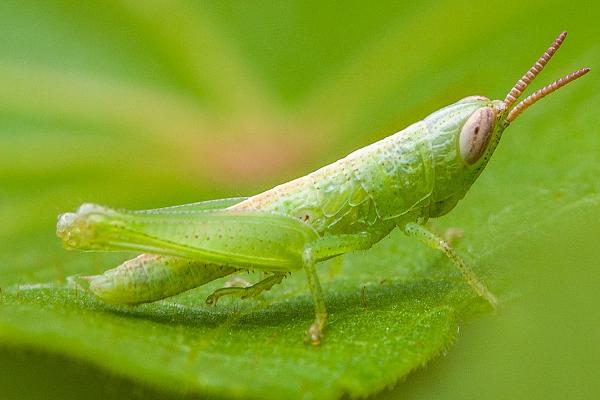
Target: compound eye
476,133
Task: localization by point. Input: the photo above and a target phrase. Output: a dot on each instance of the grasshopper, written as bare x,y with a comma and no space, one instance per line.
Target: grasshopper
401,181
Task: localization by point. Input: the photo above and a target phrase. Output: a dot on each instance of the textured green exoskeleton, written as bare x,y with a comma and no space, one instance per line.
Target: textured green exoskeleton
401,181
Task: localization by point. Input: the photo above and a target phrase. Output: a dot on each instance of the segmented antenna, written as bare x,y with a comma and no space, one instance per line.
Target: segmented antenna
534,71
543,92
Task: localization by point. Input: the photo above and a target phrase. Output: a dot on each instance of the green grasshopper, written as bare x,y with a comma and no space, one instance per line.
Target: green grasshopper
401,181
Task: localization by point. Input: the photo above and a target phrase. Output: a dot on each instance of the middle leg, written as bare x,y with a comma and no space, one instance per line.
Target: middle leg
319,250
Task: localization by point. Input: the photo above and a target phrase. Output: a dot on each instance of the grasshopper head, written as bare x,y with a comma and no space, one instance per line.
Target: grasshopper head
483,129
471,128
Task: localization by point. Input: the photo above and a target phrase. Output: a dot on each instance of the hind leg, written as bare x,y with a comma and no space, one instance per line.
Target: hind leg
247,292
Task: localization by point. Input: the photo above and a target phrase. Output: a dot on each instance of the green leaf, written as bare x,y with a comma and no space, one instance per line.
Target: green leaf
142,105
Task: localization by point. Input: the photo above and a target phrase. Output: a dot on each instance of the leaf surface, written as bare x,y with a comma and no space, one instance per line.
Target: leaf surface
147,106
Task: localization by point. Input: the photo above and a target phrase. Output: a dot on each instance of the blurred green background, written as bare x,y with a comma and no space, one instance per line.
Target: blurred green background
141,104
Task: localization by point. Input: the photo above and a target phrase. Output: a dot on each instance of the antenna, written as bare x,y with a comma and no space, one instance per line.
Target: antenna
534,71
543,92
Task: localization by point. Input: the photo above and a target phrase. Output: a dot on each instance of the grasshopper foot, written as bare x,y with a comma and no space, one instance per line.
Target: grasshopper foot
314,335
217,294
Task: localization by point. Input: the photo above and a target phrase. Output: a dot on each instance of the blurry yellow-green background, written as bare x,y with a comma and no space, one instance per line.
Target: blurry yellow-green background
144,104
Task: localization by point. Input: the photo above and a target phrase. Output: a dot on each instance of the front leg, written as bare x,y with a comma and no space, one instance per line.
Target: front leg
322,249
424,235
